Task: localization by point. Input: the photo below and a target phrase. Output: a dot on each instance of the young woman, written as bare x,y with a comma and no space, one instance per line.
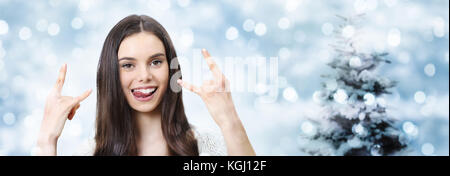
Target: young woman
138,111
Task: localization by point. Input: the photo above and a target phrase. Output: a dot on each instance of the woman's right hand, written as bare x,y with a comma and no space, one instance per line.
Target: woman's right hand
57,110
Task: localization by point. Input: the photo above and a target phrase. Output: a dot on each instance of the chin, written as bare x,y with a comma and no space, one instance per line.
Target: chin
144,108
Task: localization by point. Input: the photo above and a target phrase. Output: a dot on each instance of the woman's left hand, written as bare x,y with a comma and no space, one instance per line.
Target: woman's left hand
215,93
217,97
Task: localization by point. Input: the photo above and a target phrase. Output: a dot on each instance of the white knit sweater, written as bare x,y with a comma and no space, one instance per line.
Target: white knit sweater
210,143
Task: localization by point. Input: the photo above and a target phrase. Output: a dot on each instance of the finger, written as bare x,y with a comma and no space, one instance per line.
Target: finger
77,106
61,78
83,96
212,65
71,114
188,86
73,111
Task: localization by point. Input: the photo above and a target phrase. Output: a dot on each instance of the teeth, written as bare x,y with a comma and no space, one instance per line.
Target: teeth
145,91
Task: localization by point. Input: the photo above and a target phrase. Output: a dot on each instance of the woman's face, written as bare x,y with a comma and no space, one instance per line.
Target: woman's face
144,71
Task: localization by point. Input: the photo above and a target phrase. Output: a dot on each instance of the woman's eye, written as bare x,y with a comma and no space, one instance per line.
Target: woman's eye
127,65
156,62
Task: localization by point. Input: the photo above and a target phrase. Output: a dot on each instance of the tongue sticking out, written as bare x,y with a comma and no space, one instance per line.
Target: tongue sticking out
140,94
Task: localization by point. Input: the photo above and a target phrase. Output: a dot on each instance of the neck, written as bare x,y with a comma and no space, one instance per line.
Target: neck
150,139
149,125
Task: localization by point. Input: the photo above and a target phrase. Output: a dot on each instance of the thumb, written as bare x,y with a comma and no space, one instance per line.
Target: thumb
82,97
189,86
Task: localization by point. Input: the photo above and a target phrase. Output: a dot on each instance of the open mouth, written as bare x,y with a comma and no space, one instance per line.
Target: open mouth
143,94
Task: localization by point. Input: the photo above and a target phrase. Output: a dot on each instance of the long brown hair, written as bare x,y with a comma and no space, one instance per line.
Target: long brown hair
116,128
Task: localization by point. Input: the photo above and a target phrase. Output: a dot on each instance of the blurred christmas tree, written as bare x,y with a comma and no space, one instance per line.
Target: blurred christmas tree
354,120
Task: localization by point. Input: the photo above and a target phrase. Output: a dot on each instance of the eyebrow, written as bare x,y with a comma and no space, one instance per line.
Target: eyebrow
132,58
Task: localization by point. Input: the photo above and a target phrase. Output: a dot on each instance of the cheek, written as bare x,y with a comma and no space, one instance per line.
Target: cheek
125,80
162,75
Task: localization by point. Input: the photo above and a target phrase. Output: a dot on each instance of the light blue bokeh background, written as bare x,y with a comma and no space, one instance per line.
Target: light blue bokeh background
37,37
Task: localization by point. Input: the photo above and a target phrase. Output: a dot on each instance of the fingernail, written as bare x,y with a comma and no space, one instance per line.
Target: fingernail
204,50
179,81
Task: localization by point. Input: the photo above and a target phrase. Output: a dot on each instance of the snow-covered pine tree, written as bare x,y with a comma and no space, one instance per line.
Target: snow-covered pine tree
354,119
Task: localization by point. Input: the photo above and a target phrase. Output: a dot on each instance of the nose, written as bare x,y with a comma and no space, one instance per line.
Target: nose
144,74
